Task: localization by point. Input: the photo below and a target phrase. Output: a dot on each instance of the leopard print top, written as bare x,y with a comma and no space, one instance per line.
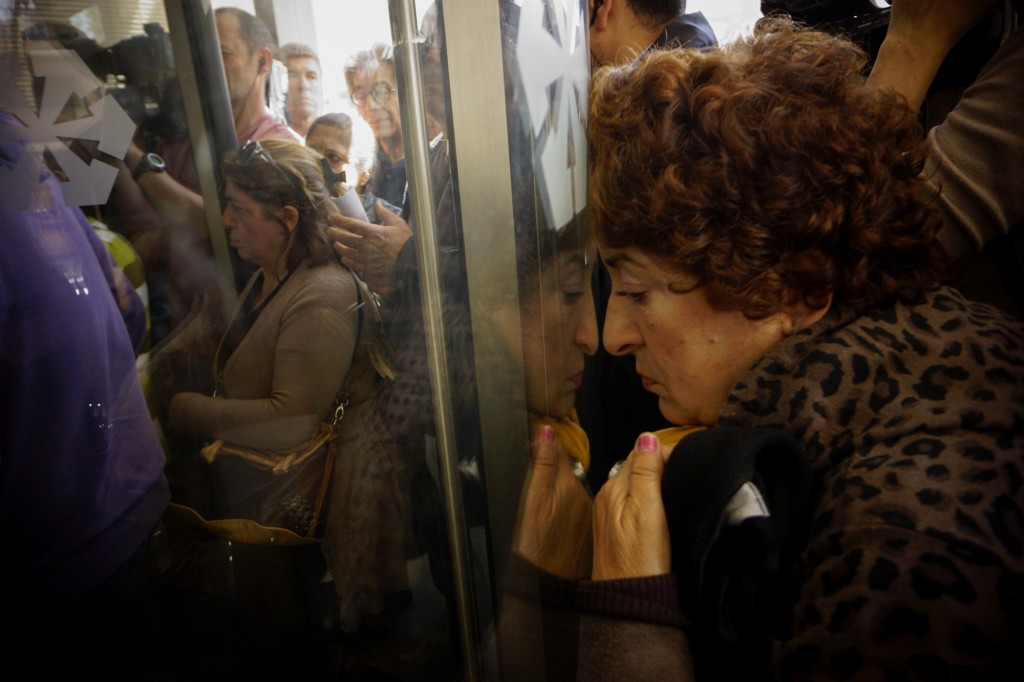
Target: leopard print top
912,419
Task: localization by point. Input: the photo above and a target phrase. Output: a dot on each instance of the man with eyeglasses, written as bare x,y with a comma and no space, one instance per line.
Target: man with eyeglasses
370,76
386,255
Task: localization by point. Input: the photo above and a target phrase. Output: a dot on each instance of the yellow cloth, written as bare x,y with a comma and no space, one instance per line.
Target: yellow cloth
569,432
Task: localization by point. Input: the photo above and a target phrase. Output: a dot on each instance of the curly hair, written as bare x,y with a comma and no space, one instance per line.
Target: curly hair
297,181
768,170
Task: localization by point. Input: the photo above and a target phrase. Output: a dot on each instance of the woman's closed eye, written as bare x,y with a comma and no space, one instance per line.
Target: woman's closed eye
571,297
632,296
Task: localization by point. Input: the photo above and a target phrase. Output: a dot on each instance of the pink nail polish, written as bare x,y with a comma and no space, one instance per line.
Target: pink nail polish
547,434
649,442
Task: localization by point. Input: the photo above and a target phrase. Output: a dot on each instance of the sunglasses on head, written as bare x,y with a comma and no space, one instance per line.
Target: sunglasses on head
253,149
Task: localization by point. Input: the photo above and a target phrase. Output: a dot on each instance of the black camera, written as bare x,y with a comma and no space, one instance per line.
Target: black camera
147,81
863,21
846,15
138,72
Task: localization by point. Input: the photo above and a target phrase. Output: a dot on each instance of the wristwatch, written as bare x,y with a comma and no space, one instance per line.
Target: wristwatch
149,162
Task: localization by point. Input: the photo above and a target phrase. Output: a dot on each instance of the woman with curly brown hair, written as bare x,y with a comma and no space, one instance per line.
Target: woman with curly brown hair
851,501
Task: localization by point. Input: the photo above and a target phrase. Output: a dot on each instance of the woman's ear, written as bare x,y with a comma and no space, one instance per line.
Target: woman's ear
810,295
803,311
289,217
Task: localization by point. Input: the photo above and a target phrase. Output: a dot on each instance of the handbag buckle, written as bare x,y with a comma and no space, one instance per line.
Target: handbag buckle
339,411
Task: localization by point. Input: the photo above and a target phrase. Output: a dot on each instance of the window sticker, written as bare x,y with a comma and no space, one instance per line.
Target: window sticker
73,106
554,66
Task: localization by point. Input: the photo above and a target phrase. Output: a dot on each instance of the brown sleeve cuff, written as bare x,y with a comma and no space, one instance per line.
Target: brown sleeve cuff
652,599
528,581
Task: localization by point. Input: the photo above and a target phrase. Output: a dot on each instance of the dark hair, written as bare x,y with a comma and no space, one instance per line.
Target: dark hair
254,32
768,170
656,12
340,121
300,183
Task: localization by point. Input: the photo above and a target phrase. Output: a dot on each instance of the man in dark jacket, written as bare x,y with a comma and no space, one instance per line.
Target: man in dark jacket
623,29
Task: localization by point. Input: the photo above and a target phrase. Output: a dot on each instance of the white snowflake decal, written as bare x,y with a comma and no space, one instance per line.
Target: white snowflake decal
67,76
555,68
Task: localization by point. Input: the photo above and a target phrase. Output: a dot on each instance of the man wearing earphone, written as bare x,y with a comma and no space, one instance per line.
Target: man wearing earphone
246,48
245,45
165,189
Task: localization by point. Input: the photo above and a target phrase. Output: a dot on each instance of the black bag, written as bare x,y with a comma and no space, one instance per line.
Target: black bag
736,579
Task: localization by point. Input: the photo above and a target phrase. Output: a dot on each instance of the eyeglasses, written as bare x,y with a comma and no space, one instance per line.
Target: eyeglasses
381,93
253,149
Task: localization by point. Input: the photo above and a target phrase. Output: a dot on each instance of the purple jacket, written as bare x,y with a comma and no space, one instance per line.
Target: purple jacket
81,469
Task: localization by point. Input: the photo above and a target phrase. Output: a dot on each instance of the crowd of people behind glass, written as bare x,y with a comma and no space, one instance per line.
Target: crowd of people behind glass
331,305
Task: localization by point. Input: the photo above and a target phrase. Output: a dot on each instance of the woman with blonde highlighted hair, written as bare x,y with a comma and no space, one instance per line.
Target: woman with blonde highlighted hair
292,346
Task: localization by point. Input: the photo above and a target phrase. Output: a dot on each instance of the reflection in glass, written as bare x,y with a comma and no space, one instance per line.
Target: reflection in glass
380,594
546,74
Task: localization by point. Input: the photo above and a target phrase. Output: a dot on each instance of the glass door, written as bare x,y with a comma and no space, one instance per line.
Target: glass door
454,132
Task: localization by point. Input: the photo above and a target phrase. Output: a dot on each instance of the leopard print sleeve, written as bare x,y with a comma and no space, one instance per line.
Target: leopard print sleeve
892,589
912,419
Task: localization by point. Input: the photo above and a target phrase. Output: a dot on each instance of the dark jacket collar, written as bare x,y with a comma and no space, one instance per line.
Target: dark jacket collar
687,30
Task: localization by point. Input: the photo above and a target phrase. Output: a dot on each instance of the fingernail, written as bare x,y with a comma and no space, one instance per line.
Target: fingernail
547,434
648,443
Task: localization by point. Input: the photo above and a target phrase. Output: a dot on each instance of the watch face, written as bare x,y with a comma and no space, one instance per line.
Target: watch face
155,162
149,162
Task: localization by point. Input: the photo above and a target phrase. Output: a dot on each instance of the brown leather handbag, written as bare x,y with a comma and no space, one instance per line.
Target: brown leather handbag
266,497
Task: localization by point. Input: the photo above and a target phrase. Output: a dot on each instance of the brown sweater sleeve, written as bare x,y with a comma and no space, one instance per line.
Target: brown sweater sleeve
629,629
976,156
622,649
632,629
285,374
